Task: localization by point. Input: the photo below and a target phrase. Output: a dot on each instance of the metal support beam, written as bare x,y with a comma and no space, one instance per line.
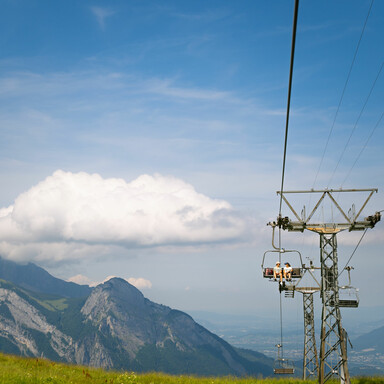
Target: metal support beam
333,351
333,348
350,223
310,363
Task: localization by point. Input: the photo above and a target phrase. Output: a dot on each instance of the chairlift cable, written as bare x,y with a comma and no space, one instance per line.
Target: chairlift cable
357,246
354,251
294,28
342,94
363,148
289,98
357,120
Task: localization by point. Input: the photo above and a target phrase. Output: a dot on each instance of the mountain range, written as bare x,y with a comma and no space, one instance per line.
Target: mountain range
371,341
112,326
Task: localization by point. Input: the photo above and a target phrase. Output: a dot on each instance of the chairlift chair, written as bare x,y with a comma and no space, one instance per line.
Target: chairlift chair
348,295
267,268
268,265
283,366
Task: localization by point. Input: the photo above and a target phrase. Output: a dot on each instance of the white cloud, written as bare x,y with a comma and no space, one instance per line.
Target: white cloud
72,216
105,280
101,15
80,279
140,282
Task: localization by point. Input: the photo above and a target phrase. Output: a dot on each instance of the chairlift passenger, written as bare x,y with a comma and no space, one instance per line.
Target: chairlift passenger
287,272
277,271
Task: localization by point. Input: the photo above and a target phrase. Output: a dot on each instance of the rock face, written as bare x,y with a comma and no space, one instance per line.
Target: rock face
28,331
143,329
114,326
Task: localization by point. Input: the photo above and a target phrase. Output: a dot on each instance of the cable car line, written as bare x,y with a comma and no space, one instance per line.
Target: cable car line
361,238
294,28
357,120
363,148
342,94
357,246
296,11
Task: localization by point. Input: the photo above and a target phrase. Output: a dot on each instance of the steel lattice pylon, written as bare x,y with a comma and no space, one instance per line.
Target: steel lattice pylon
333,352
333,349
310,363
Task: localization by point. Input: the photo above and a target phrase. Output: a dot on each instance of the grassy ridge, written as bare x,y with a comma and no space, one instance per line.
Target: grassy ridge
17,370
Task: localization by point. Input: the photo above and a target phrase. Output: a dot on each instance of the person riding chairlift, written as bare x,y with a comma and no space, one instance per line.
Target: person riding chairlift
288,272
277,271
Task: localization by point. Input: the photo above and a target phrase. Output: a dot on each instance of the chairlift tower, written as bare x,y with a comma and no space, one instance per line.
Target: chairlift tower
333,346
310,360
310,356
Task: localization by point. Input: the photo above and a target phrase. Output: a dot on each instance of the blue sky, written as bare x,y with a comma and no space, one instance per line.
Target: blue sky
192,94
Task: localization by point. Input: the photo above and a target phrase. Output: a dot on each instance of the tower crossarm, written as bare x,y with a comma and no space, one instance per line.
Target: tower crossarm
350,223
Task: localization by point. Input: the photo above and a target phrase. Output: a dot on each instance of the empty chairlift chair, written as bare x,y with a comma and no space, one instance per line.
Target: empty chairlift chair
348,295
283,366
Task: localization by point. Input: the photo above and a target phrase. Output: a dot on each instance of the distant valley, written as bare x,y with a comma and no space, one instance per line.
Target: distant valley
364,325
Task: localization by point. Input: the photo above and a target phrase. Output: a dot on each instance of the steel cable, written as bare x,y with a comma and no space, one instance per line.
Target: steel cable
350,258
363,148
357,121
342,94
294,28
354,251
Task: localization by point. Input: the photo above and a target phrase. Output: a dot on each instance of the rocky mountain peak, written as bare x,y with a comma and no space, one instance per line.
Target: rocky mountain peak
122,290
114,326
115,297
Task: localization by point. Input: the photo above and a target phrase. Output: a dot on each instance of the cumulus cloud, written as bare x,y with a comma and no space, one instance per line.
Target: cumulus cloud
139,282
80,279
72,215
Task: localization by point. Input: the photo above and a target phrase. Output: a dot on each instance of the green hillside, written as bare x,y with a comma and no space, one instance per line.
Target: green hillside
18,370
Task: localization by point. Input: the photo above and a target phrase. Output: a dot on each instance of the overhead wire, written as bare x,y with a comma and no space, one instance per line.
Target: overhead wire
356,122
342,94
357,246
289,98
354,251
294,28
363,148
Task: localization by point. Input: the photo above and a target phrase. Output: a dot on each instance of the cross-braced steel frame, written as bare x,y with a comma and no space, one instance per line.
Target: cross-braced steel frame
333,349
333,352
310,363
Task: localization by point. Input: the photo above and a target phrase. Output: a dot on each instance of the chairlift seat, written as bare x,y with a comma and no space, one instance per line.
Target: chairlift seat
348,303
283,367
283,371
296,273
